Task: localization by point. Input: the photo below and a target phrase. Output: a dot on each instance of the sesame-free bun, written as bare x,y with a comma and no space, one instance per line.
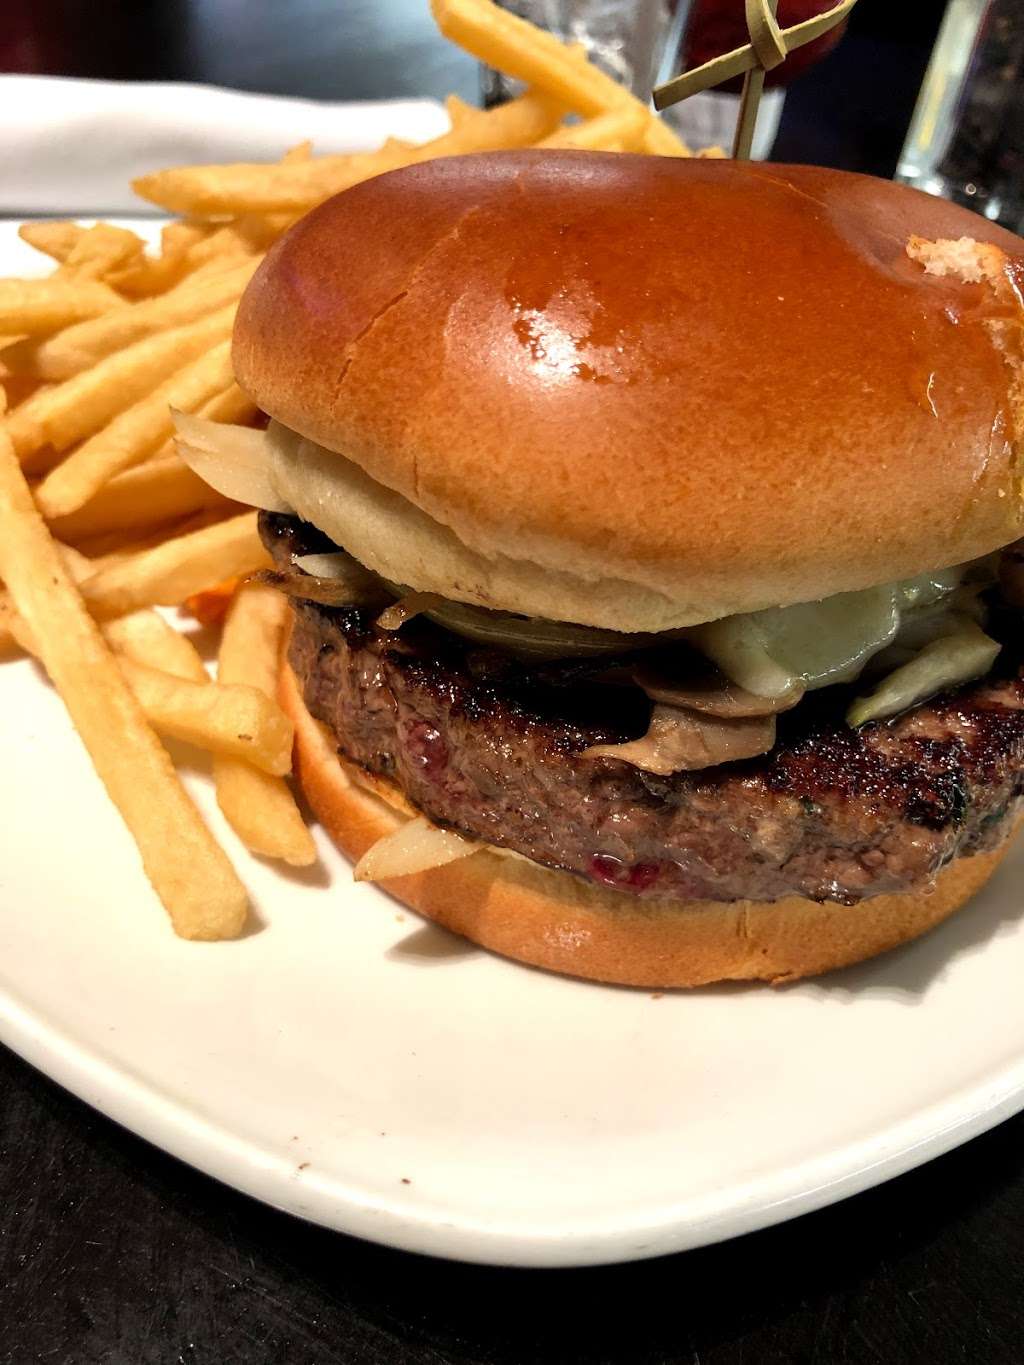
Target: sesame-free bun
554,920
642,392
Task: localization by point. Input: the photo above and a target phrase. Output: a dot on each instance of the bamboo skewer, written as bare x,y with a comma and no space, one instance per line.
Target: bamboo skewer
768,47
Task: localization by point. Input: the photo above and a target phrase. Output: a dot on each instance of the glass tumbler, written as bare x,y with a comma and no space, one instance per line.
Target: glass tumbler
623,37
966,139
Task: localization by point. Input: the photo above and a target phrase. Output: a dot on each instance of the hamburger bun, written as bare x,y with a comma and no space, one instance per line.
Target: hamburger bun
553,920
643,392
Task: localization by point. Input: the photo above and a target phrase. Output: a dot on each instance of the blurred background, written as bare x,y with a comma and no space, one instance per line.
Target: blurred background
849,103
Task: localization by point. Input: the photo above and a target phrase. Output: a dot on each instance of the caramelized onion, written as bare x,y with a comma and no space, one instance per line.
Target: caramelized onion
360,585
809,645
334,564
711,694
412,604
678,740
416,846
324,591
532,637
947,662
233,460
355,586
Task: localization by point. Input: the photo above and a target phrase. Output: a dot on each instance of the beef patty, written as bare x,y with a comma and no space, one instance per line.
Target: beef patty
491,746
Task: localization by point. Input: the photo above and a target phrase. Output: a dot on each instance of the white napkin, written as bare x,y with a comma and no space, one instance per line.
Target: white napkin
72,146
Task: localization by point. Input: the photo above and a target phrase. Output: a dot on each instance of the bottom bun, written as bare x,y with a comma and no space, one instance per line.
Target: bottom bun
555,920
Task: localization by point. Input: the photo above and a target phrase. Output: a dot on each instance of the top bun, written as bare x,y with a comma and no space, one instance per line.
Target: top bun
677,388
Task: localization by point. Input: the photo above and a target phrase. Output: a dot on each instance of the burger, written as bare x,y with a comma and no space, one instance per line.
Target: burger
649,527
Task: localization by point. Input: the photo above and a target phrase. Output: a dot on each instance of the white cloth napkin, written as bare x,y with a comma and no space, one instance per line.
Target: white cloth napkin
73,146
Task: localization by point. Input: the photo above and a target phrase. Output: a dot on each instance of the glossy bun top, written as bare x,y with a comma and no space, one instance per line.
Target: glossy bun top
685,388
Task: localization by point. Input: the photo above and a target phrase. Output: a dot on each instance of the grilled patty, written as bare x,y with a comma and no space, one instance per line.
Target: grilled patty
491,746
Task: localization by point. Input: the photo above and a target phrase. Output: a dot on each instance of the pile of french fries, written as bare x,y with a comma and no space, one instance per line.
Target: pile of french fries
101,521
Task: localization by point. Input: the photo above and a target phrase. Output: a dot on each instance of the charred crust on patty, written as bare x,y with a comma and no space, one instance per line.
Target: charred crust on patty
491,747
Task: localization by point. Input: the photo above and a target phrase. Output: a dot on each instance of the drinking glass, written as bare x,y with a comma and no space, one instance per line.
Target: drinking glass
966,138
623,37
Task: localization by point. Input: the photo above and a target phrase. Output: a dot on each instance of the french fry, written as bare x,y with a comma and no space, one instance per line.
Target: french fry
38,307
172,571
100,250
79,347
189,871
143,636
250,648
125,634
133,434
259,807
263,229
149,495
216,249
621,129
117,546
81,566
520,49
17,388
299,185
54,239
178,238
228,245
252,231
76,408
260,230
302,151
237,721
152,654
148,275
246,187
210,606
10,646
232,406
146,638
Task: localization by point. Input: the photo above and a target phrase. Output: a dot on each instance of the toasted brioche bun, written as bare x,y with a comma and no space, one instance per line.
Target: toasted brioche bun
647,391
554,920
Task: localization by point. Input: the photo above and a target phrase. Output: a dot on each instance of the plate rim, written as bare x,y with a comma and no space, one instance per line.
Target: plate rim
138,1105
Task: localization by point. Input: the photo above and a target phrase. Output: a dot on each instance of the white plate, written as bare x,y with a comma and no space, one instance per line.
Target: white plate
356,1067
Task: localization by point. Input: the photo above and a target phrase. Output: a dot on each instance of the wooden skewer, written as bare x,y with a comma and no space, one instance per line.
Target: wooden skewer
760,27
769,45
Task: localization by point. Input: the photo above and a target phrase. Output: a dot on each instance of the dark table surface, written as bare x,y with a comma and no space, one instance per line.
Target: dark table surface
112,1252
